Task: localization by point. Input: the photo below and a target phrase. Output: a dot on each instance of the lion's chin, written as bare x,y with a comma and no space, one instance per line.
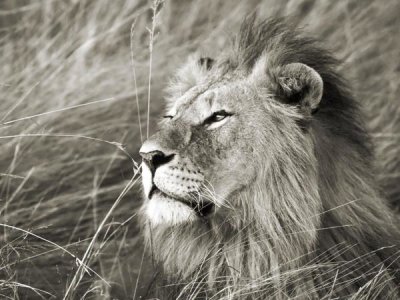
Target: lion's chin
163,210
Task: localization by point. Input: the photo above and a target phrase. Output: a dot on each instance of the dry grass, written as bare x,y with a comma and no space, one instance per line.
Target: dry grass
74,82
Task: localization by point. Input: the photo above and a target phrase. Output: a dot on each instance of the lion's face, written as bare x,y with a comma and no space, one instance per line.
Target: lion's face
211,146
204,152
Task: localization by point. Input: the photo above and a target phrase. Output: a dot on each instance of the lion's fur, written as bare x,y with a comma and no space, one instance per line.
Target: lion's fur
313,223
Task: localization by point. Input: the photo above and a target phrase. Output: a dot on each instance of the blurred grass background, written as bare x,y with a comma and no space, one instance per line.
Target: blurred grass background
56,55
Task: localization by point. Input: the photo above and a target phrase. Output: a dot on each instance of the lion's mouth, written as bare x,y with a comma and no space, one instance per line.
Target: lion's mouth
202,208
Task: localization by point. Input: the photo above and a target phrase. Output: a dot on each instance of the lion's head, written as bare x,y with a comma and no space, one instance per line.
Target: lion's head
255,154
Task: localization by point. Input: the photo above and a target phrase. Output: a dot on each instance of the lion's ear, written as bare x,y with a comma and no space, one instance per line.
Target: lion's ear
300,85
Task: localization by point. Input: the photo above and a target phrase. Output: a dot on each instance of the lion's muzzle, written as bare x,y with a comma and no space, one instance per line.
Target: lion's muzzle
167,177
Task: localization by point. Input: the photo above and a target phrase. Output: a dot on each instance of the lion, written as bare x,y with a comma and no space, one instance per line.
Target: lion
260,182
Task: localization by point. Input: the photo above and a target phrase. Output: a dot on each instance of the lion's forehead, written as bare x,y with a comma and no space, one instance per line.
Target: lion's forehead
202,100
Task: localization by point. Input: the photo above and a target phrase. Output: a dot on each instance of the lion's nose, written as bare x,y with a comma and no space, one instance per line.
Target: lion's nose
154,157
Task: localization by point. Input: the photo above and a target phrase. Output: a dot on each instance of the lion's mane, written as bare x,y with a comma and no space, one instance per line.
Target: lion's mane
343,243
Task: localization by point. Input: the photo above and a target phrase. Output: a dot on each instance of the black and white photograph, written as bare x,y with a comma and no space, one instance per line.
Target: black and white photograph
200,149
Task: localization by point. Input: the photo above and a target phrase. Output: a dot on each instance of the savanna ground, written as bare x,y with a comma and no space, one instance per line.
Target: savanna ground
75,87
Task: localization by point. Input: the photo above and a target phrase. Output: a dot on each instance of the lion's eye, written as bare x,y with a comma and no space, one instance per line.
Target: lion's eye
217,117
215,120
168,117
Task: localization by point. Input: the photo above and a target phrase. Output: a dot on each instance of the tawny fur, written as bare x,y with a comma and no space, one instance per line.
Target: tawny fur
311,223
